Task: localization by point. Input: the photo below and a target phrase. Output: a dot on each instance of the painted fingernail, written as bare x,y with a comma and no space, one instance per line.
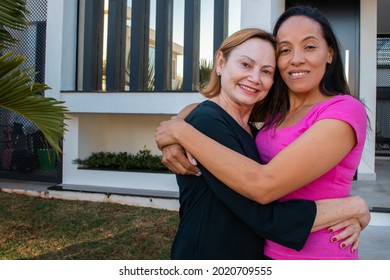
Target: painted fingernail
334,239
342,246
199,174
194,161
330,230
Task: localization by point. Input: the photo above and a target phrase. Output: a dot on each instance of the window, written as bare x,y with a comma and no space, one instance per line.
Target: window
150,45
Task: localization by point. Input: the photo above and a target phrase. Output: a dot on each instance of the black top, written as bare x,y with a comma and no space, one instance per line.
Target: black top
218,223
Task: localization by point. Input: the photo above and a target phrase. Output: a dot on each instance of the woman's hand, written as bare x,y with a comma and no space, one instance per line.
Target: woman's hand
165,133
350,235
173,155
179,161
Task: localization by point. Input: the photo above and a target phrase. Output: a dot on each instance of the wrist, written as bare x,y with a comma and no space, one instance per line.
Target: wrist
179,131
184,134
363,212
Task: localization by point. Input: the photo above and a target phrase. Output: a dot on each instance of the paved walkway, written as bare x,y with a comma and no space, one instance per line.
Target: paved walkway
375,239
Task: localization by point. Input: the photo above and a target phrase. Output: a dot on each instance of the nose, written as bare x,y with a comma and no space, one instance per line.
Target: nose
297,58
254,77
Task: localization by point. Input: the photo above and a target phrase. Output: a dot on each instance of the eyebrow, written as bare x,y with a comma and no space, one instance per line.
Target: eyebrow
243,55
304,39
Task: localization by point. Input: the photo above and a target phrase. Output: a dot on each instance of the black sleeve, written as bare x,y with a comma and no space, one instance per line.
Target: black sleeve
288,223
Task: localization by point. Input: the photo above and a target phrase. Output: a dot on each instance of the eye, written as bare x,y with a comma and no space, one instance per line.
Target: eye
245,64
310,47
284,50
267,72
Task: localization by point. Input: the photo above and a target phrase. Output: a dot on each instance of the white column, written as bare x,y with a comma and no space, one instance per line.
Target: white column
60,70
61,42
54,39
261,13
367,82
70,150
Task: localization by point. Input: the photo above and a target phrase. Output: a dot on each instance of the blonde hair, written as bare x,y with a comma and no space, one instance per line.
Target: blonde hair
230,43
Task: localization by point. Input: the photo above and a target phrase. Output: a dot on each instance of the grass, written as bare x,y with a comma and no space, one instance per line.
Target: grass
34,228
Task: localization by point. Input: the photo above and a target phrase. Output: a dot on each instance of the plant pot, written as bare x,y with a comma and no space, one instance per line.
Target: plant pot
47,159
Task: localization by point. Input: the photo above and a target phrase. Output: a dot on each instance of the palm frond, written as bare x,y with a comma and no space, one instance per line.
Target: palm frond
13,15
19,94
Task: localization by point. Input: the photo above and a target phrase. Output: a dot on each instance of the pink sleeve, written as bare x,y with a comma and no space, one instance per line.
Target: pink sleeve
349,110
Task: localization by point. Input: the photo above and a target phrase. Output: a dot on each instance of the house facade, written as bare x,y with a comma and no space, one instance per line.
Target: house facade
123,66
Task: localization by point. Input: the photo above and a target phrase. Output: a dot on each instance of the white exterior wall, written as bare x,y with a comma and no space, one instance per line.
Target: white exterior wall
127,121
367,82
79,142
261,13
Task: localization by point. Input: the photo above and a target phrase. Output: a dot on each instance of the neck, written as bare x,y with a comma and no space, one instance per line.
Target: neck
240,113
299,100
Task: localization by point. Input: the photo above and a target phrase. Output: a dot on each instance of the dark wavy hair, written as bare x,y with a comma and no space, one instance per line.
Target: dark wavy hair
276,105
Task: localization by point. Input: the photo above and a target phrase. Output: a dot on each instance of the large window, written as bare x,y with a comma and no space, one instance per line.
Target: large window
151,45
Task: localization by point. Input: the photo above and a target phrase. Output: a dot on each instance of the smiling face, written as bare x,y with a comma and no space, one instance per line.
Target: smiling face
302,54
247,74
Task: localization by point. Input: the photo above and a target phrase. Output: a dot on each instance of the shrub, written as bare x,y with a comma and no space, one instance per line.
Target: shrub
142,161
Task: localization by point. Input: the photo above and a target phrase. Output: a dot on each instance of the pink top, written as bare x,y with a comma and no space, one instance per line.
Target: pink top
334,184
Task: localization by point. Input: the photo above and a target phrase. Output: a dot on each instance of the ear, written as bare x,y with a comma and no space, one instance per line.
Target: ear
330,55
220,60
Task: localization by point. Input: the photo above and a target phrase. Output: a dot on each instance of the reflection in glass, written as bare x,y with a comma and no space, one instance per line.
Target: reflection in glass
97,71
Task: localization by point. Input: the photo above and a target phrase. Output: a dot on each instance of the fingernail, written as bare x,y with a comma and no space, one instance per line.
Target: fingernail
353,250
334,239
194,161
330,230
199,174
342,246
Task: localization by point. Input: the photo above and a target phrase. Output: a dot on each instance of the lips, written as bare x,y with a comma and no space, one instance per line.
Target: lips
298,74
248,88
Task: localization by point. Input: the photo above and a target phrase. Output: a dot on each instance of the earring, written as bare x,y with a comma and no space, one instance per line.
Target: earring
219,74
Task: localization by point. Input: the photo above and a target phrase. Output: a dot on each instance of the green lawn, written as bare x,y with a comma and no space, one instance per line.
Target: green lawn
35,228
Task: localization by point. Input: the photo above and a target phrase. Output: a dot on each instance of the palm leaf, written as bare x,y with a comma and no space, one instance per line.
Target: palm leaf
19,94
13,15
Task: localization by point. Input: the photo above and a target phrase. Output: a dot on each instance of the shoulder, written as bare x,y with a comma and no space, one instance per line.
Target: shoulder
345,108
210,119
207,112
342,105
344,102
214,122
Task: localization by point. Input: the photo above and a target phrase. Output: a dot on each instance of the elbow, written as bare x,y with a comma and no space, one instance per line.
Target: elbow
264,197
264,200
266,189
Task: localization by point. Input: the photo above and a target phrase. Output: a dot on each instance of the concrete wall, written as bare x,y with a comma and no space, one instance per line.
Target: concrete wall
367,82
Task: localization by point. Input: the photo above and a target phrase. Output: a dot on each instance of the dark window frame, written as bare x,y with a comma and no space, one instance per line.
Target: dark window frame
115,69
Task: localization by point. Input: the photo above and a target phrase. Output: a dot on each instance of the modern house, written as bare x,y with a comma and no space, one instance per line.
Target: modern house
98,56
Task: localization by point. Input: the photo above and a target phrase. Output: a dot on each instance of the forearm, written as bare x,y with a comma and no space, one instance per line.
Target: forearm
224,163
266,183
332,211
262,183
